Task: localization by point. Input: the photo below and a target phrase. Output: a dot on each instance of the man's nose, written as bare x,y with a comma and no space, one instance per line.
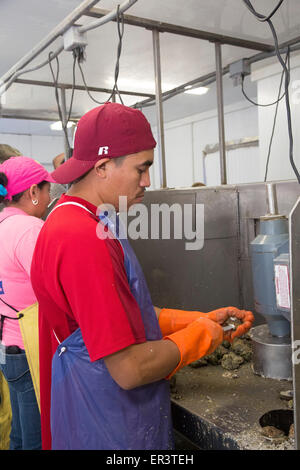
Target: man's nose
145,180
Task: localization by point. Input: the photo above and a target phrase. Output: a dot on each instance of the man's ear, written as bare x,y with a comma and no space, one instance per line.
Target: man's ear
100,167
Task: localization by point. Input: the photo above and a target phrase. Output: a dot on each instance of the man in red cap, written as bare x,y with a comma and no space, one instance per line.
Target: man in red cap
105,352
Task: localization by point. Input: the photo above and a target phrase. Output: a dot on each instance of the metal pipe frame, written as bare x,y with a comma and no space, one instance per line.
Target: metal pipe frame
159,109
272,199
31,115
54,34
68,86
220,105
109,16
14,77
86,8
266,51
209,78
183,31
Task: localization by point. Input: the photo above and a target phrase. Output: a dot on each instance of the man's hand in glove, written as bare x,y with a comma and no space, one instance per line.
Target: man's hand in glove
171,320
198,339
247,318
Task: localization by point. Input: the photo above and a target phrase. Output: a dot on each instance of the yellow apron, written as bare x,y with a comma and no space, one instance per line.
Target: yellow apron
5,414
30,334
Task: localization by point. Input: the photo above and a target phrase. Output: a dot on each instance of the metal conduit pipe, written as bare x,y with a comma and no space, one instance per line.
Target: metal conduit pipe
110,16
69,86
209,78
219,80
272,199
17,74
159,110
204,81
54,34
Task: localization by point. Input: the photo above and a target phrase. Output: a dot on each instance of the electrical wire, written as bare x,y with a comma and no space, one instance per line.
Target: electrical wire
286,74
73,85
258,15
55,81
120,27
19,72
115,90
86,86
260,104
275,118
278,98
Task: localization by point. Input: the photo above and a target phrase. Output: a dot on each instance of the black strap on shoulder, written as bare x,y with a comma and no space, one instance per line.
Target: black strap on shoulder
13,308
4,317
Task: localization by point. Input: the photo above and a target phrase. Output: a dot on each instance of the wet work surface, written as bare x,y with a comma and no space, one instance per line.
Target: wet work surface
219,409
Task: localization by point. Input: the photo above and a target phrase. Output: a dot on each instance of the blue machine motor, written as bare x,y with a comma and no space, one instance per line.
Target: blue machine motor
270,270
269,250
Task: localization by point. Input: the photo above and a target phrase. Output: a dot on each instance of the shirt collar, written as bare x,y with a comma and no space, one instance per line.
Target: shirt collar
65,198
8,211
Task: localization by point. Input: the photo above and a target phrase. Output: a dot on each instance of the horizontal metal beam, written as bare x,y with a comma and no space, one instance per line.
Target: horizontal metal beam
32,115
183,31
289,43
209,78
68,86
204,80
111,15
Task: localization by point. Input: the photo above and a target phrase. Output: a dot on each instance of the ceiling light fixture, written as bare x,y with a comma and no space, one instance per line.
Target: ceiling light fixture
201,90
57,126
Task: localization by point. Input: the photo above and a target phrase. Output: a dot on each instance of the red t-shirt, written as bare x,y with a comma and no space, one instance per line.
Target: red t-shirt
80,281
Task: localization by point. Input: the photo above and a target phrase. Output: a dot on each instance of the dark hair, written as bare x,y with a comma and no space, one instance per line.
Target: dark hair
80,177
6,151
16,197
118,161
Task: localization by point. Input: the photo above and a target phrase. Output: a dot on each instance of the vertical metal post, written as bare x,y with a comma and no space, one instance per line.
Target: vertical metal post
272,199
159,110
64,120
219,83
294,229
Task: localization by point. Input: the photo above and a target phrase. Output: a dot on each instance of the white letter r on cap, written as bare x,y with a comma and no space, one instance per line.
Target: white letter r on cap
103,151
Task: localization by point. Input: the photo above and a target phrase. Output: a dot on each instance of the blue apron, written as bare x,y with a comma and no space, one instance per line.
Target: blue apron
89,410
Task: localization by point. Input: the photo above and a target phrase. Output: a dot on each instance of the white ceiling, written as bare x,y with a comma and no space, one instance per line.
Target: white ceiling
24,23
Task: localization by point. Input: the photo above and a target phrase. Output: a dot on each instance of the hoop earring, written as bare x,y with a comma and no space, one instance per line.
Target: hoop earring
35,202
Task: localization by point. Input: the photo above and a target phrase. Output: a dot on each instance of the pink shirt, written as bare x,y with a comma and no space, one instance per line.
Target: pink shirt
18,235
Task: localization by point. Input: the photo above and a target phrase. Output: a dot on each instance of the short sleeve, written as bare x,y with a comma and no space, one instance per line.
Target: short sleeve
26,245
95,284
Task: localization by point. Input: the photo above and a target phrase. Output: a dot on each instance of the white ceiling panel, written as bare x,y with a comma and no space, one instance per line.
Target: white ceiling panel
228,17
23,24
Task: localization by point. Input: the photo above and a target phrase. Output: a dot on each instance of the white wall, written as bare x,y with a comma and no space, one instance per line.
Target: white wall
268,80
186,139
40,147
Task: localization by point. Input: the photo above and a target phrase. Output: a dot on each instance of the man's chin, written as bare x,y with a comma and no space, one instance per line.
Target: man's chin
124,207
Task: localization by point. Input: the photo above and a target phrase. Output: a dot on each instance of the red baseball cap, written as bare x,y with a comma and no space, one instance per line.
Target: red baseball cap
108,131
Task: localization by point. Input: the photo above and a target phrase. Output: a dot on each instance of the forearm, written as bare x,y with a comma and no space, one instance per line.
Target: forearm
144,363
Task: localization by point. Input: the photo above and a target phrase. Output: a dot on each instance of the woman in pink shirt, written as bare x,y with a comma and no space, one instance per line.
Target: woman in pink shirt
25,192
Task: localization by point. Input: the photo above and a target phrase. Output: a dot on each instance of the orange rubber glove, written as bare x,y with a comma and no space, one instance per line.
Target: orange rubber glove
248,318
171,320
198,339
